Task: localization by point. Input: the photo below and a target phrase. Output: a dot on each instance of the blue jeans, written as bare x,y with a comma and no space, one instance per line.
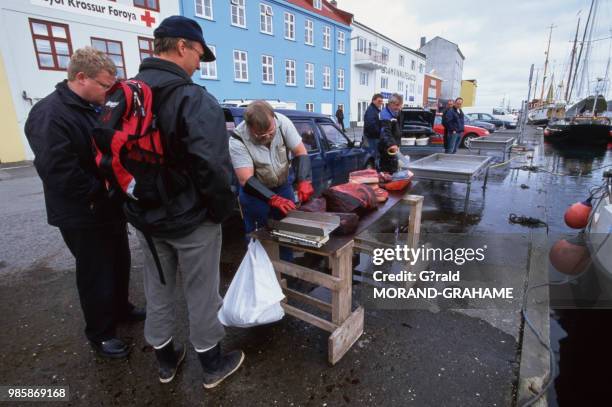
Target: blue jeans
372,148
256,212
454,139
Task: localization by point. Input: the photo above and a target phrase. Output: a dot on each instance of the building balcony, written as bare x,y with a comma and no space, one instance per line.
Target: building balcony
370,59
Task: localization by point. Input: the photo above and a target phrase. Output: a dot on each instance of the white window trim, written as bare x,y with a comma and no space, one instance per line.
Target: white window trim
246,61
271,65
216,76
311,43
342,50
265,14
318,4
292,25
306,77
312,105
328,76
341,76
243,7
212,13
327,29
294,83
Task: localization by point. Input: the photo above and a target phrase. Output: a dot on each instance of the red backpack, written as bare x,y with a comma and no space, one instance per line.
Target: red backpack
128,143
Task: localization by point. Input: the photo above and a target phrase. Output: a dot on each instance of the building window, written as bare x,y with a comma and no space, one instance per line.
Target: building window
114,50
204,9
208,70
413,64
362,44
310,107
384,82
148,4
51,44
238,16
385,54
265,19
241,67
400,86
308,32
341,42
267,69
145,47
361,109
363,78
318,4
421,68
401,60
309,75
326,77
290,72
326,37
340,76
289,26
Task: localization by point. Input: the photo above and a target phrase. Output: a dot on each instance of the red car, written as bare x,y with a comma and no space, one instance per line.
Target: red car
469,133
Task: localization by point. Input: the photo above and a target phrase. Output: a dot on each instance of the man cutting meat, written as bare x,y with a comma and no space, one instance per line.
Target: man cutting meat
260,148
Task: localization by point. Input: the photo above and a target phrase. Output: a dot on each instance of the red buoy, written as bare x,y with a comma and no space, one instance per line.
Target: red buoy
569,258
577,215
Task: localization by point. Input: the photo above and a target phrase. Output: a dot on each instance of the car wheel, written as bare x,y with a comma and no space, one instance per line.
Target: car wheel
467,139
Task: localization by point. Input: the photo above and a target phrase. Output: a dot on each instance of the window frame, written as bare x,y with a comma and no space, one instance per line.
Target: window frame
384,79
246,64
317,4
327,69
150,41
331,146
238,7
340,77
52,40
327,37
265,13
366,76
267,68
294,68
307,76
298,123
341,49
146,6
203,15
291,24
309,104
213,48
309,28
106,41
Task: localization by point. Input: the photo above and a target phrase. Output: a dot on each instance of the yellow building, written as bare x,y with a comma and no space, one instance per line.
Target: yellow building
468,92
11,144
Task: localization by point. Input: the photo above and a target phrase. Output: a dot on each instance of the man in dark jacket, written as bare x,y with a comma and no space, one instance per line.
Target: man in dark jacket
449,105
186,228
92,225
455,124
390,134
340,116
371,125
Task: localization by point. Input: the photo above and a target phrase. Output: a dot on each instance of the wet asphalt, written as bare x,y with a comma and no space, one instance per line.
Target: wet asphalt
405,357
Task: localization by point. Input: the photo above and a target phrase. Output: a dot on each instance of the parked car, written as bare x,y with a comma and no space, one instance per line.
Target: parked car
485,117
509,119
417,122
469,132
332,154
477,123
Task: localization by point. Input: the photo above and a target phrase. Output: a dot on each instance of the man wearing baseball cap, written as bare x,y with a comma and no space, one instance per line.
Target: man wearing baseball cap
186,227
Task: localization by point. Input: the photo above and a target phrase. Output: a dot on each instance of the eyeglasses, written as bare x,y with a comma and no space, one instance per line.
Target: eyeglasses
269,133
200,56
103,85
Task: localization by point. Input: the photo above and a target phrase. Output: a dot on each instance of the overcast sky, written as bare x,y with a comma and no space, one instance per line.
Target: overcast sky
500,40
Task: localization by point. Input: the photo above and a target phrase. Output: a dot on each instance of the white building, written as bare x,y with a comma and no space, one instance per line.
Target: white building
38,36
446,59
382,65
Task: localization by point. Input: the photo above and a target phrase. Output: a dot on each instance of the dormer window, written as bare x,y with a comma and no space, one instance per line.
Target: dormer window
318,4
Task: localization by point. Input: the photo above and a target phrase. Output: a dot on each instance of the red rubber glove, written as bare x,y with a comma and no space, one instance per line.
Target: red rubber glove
304,190
282,204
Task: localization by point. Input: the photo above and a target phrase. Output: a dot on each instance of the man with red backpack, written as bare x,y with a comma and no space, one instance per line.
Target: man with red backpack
90,221
179,194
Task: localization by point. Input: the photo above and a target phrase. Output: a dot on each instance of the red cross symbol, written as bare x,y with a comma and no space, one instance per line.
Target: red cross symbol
148,18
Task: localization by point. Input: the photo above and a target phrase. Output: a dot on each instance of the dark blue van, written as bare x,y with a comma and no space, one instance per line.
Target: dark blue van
332,154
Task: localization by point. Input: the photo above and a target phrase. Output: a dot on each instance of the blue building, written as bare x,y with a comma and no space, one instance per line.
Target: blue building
295,51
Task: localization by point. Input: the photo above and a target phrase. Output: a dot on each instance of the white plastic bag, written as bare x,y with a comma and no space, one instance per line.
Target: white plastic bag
254,295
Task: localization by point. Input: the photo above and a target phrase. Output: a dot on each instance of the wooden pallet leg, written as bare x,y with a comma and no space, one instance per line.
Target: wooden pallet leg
345,336
414,220
342,267
272,248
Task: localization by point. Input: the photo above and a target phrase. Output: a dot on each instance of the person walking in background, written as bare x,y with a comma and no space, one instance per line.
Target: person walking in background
340,116
449,106
92,224
371,126
456,121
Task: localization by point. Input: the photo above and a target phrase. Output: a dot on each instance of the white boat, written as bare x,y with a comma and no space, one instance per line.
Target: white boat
599,230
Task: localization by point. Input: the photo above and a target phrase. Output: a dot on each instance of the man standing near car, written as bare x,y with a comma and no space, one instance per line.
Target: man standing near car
390,134
449,106
456,122
340,117
185,226
260,148
92,224
371,125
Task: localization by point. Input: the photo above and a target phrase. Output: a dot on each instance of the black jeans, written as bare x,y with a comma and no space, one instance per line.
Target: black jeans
102,275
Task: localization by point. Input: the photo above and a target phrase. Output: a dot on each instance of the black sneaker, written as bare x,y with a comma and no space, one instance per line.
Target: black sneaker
218,366
113,348
169,359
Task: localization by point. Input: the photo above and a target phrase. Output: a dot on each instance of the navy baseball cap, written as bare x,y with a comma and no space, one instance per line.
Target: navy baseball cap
183,27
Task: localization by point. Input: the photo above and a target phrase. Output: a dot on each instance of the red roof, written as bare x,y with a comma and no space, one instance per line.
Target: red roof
327,10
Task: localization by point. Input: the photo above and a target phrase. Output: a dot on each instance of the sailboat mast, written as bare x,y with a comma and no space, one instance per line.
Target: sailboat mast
546,62
569,77
581,48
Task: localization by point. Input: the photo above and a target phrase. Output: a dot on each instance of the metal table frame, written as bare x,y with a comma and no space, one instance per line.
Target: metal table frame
493,143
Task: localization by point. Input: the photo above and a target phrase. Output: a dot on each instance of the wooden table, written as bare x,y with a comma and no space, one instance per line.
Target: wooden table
346,326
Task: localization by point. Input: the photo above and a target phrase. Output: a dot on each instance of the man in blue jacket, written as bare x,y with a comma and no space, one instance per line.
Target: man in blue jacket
390,134
371,125
449,106
455,126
